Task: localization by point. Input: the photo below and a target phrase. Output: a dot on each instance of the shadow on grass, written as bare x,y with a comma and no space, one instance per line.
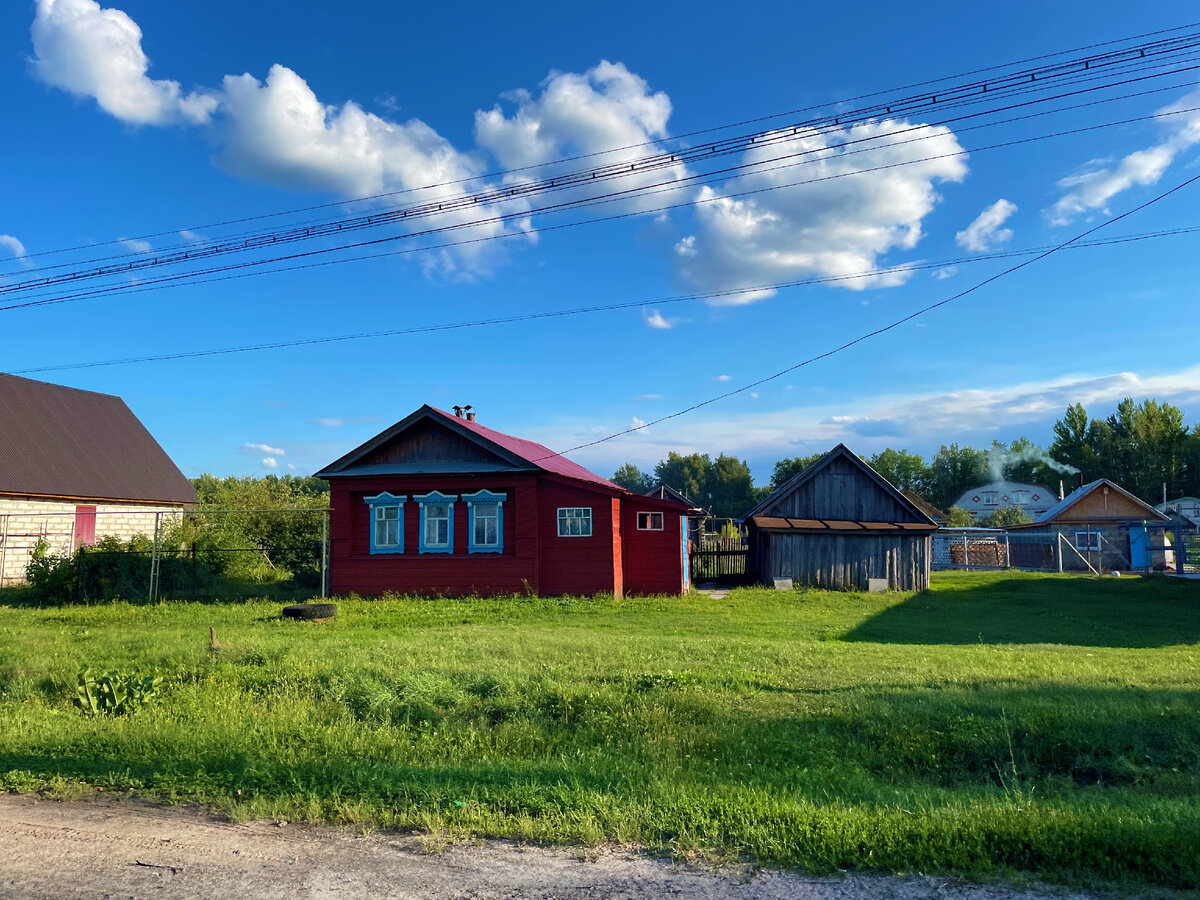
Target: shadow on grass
1110,612
1036,739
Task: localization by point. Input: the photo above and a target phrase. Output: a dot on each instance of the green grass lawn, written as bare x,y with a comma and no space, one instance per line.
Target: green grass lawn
997,723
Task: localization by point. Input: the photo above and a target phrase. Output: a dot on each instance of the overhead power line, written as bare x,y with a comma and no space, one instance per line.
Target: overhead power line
884,329
1164,45
597,308
246,269
1179,49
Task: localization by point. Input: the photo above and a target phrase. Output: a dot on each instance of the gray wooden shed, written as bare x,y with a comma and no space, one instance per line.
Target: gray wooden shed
839,524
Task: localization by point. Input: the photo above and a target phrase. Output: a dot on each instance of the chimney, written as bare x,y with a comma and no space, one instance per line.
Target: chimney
470,417
458,412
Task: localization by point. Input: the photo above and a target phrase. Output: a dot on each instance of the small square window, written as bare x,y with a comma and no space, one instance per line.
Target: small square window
575,521
1087,541
650,521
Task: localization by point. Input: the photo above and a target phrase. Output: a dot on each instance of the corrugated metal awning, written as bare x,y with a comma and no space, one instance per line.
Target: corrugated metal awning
836,526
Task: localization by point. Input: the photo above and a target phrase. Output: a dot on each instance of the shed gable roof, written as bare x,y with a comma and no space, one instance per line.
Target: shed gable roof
394,452
768,504
1137,507
57,441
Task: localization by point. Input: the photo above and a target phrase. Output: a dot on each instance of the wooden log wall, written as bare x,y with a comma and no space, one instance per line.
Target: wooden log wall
845,561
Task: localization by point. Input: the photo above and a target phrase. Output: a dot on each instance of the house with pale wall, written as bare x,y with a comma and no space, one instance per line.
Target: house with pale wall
76,466
1188,507
1034,500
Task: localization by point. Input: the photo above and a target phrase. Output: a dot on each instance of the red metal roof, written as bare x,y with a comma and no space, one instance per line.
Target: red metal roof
58,441
532,452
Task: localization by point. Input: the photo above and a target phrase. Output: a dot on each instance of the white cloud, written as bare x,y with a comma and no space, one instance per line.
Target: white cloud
834,227
270,462
255,449
654,319
192,236
648,397
985,232
919,422
95,52
291,465
14,246
278,131
948,272
135,245
637,423
606,110
334,422
1099,182
721,378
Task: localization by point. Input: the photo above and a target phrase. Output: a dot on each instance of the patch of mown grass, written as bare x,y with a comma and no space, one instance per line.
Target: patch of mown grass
999,722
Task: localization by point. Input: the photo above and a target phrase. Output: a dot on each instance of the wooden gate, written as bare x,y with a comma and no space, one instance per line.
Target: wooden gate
719,558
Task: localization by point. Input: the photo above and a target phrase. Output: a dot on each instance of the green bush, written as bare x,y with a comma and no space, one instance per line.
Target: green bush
51,578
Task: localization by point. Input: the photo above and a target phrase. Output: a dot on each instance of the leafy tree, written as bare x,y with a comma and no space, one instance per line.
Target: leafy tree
687,474
264,517
953,471
789,468
906,471
730,486
1140,446
634,479
1073,442
957,517
1005,516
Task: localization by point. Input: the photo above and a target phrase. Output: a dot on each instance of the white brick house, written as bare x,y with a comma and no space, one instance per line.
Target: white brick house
76,466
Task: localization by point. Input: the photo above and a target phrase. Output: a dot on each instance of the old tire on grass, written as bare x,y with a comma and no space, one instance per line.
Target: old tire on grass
310,611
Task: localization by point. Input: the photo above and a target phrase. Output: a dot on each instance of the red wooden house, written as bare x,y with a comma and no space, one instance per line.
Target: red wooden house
439,504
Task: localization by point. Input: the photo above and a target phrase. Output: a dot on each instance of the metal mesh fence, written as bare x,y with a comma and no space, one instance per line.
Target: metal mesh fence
145,553
1080,549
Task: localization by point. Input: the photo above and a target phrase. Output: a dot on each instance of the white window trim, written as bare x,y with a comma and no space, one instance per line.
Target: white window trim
575,509
651,513
485,498
436,498
387,499
1092,543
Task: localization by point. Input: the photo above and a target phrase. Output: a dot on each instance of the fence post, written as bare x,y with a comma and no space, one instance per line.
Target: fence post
1058,550
324,554
3,546
966,553
154,559
1007,552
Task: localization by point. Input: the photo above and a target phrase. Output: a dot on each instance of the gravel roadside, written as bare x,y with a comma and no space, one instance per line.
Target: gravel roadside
117,848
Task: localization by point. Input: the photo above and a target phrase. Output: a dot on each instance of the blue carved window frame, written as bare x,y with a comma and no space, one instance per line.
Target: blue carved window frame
436,498
387,500
485,498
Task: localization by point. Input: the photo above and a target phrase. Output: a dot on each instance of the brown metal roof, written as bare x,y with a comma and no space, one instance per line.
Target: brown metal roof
58,441
835,526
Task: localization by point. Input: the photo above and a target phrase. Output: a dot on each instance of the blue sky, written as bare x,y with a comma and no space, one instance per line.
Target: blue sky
244,109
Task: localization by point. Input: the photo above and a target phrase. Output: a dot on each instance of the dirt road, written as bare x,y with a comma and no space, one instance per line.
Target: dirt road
120,849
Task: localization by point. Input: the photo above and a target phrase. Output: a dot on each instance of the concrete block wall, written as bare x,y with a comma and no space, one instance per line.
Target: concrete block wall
26,520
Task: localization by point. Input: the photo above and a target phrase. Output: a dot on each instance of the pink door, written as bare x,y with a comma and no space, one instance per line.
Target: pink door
85,526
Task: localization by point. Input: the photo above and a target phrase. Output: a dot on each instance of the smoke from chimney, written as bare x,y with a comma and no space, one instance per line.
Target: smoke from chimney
1001,457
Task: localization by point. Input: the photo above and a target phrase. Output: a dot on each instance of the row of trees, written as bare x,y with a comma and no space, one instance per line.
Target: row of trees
1140,446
